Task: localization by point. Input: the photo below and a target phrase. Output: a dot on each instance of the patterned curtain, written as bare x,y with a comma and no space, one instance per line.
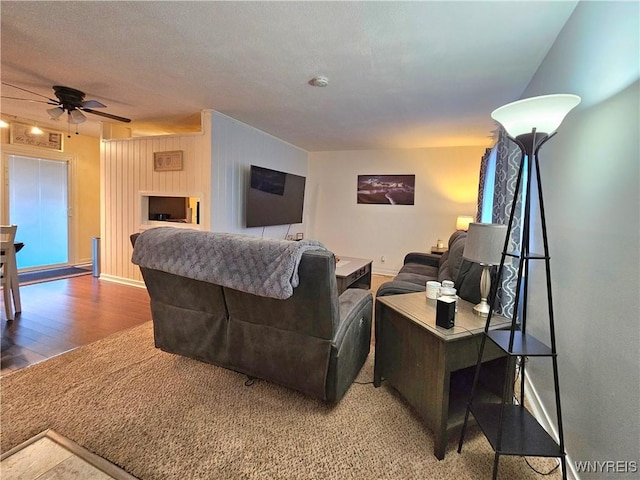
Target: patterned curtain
508,158
483,178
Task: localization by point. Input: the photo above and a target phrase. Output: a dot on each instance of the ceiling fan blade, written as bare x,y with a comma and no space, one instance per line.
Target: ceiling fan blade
29,91
28,100
93,104
107,115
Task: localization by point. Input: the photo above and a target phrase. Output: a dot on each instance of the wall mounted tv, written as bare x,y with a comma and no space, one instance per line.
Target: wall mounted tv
274,198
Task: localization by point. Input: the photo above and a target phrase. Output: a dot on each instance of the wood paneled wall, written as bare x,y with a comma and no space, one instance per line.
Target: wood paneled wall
215,169
127,170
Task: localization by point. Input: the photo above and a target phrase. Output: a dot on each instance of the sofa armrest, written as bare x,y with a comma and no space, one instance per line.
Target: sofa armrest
428,259
396,287
354,303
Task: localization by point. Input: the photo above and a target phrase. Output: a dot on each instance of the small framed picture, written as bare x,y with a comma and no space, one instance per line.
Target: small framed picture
21,135
167,161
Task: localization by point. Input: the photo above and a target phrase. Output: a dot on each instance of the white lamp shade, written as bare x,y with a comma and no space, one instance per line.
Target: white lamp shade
462,222
484,243
544,113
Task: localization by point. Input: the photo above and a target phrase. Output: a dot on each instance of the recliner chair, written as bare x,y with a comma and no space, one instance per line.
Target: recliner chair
314,341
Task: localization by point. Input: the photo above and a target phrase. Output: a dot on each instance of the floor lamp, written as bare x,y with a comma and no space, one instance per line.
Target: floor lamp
509,427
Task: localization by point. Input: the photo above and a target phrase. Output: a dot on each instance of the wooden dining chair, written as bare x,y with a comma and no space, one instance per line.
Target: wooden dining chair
9,271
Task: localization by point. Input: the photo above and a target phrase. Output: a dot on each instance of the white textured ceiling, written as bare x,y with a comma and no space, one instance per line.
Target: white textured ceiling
401,74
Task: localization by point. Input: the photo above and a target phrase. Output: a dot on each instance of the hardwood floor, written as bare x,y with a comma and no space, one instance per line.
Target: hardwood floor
377,280
61,315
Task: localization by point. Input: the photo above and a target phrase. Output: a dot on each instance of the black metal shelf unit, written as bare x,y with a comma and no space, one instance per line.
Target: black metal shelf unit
510,428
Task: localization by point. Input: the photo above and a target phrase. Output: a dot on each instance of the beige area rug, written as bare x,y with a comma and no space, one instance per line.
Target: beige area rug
161,416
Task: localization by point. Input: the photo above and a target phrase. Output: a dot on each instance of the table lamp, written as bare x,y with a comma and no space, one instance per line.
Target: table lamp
463,221
484,245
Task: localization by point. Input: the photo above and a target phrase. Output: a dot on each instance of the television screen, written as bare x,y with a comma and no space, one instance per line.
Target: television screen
274,198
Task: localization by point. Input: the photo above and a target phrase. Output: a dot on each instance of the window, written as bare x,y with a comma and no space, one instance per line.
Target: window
38,204
489,185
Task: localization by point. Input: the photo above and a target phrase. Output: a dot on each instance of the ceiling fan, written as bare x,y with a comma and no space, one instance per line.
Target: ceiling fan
68,100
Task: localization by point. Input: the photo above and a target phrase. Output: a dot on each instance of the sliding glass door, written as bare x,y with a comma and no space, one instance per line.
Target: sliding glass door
39,205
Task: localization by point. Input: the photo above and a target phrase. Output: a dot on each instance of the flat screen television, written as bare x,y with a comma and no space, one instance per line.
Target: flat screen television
274,198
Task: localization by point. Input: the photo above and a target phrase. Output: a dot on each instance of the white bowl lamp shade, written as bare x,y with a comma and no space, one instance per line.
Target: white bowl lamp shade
544,113
462,222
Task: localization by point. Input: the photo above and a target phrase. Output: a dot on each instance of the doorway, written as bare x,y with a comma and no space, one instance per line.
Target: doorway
39,204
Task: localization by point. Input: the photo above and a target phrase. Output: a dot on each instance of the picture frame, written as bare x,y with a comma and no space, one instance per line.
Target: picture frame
167,161
20,134
386,189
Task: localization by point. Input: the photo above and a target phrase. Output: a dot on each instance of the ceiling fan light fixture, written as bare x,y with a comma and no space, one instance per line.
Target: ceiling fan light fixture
76,116
54,113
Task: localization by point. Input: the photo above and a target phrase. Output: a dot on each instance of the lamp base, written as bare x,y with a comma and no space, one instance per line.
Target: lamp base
482,309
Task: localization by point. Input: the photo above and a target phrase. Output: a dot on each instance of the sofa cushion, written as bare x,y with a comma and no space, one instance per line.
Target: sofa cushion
452,259
419,269
467,282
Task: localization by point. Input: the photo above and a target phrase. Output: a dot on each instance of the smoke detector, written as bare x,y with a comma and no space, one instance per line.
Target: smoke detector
319,81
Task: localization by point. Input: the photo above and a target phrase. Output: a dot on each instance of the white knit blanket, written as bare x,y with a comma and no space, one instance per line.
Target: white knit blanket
262,266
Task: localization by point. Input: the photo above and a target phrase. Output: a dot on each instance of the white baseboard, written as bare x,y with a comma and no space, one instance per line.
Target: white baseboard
538,411
384,271
122,280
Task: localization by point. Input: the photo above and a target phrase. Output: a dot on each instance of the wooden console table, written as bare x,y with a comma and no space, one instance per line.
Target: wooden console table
433,367
353,272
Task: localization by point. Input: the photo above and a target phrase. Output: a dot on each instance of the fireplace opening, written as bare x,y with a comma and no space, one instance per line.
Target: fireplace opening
174,209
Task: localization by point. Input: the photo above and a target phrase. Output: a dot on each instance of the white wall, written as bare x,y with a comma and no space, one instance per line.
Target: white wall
591,178
235,147
446,186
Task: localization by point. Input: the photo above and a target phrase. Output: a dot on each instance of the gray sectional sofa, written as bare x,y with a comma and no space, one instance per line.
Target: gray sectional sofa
419,268
313,341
